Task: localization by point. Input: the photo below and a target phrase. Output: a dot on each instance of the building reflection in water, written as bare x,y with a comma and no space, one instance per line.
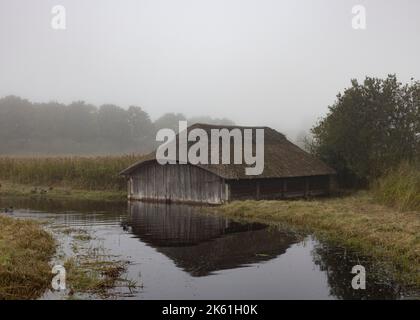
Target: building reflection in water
203,243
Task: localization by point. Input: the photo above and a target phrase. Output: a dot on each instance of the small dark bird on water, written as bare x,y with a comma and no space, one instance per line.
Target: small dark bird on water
8,210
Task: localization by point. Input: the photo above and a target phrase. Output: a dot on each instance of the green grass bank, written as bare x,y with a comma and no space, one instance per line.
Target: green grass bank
25,253
356,221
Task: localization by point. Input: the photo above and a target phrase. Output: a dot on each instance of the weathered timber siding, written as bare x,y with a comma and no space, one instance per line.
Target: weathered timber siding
176,183
279,188
189,183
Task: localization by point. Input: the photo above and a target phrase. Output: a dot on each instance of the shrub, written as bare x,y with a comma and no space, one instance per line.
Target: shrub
400,187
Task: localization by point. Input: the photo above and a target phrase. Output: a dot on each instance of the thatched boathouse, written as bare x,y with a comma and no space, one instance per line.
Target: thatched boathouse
288,172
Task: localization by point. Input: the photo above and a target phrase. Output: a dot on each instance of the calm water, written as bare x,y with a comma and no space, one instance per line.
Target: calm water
178,252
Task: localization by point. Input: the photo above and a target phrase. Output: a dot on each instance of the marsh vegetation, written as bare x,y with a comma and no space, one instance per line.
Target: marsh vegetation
25,253
356,221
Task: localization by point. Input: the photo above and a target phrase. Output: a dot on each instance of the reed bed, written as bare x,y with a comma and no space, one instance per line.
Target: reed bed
400,187
25,253
87,173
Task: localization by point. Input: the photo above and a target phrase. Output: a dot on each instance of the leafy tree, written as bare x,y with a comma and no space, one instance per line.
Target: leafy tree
210,120
15,120
371,127
80,124
77,128
169,121
142,130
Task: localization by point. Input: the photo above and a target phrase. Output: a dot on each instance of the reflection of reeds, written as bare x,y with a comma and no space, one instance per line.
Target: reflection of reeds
89,173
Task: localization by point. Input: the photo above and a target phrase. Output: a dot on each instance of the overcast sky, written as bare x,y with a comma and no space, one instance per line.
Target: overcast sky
259,62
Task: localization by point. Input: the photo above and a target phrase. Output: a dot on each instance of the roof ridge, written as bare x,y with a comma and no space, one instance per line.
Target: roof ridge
282,158
200,124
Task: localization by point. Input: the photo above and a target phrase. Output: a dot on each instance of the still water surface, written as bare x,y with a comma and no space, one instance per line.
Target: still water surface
179,252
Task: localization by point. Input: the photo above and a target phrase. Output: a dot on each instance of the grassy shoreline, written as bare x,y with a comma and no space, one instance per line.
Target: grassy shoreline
29,249
355,221
9,189
25,253
92,271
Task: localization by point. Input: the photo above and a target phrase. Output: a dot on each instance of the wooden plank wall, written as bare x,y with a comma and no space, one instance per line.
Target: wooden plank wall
259,189
188,183
176,183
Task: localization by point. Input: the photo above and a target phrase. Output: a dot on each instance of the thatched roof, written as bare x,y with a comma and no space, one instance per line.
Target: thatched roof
281,157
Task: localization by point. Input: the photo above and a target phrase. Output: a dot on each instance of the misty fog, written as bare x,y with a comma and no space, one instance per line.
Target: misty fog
269,62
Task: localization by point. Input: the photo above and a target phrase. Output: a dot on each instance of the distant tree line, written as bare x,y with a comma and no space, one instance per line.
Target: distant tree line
371,128
28,128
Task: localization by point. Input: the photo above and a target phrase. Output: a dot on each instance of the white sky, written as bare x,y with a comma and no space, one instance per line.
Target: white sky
258,62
